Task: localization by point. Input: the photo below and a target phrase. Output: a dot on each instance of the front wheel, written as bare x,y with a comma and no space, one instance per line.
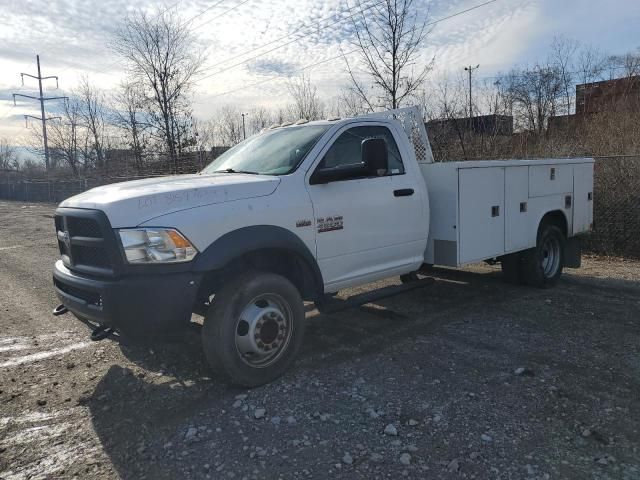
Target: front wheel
543,265
254,328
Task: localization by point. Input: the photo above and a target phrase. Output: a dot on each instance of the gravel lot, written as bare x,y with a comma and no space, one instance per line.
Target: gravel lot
466,378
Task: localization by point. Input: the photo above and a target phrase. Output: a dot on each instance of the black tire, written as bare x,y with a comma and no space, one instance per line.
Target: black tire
409,278
225,334
543,265
512,268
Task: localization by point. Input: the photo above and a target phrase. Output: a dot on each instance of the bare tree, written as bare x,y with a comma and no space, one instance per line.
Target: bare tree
67,138
389,38
590,64
8,156
259,119
335,106
228,123
535,93
628,63
351,102
563,51
92,112
306,103
204,132
448,108
129,116
161,53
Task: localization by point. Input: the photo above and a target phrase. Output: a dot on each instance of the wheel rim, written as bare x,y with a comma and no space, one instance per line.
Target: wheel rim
263,330
550,256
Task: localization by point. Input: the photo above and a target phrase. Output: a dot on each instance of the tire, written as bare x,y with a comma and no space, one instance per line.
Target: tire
512,268
254,328
543,265
409,278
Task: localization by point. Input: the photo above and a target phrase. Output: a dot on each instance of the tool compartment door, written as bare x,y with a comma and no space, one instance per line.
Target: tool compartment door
517,217
481,204
545,180
582,197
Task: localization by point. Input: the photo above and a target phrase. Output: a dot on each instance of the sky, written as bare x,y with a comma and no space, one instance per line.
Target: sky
72,38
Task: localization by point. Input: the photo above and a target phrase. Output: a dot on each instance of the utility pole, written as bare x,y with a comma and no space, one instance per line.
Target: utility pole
244,131
470,69
41,99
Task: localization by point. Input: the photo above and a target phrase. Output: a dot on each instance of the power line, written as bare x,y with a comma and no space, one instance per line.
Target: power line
545,71
174,4
220,15
323,28
275,78
187,22
303,27
461,12
183,25
349,52
279,46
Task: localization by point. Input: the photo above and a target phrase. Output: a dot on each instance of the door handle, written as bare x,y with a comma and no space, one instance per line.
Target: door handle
403,192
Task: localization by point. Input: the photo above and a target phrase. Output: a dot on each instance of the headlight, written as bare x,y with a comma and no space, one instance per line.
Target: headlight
156,245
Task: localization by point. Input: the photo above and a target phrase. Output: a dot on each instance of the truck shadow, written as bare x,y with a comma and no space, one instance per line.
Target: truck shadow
142,429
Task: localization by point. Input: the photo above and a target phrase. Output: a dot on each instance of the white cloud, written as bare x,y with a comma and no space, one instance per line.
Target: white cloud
72,37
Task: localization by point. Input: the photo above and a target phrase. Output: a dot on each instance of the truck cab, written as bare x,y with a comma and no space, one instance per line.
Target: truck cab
294,214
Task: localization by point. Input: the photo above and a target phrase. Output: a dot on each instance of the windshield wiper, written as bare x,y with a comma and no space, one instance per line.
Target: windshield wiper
231,170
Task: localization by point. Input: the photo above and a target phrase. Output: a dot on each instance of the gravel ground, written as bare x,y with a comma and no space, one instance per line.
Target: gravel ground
466,378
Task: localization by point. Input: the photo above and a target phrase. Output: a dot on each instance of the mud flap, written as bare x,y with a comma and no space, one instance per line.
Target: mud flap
573,252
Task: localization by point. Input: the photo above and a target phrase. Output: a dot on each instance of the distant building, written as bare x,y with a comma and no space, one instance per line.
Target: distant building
609,95
480,125
600,97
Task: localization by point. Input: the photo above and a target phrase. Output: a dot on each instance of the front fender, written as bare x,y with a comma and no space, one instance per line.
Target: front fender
244,240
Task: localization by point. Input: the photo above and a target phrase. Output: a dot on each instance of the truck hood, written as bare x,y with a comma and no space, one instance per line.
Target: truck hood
129,204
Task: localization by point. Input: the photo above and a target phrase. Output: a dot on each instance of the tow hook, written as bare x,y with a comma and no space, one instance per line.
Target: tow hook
60,310
101,332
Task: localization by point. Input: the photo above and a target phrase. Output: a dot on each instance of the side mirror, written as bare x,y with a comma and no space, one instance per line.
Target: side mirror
375,163
340,172
375,156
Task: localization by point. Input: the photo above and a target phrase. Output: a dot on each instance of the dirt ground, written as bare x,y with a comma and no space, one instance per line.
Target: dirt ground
466,378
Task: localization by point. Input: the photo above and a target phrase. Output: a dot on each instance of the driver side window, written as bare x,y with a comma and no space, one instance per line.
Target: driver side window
347,149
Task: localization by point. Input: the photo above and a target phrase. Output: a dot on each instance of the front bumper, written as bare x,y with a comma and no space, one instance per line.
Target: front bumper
149,305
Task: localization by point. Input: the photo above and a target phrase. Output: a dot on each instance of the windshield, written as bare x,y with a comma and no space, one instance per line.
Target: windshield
276,152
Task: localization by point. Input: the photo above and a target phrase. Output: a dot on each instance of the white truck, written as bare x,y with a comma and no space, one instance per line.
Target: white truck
296,214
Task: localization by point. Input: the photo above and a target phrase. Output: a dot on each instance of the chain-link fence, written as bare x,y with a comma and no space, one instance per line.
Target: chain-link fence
616,201
616,207
53,191
119,166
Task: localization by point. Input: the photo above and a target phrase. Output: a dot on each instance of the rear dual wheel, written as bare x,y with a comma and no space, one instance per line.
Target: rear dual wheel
254,328
540,266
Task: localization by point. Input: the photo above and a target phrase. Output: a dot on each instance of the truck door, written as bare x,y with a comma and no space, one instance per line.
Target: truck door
366,228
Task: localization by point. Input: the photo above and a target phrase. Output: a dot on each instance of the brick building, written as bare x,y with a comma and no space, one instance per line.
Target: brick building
618,95
608,95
